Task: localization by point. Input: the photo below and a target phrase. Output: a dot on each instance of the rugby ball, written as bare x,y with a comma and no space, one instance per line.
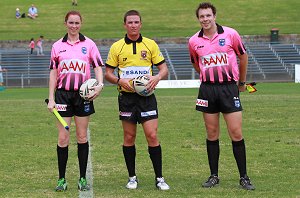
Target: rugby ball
139,84
85,91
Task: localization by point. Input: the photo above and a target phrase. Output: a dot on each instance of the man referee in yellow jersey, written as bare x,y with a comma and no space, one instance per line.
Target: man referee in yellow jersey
135,55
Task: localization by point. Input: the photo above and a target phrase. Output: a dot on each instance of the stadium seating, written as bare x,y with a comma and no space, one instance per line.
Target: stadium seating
267,62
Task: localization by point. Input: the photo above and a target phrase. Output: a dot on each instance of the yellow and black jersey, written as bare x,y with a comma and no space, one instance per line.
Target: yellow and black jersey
134,58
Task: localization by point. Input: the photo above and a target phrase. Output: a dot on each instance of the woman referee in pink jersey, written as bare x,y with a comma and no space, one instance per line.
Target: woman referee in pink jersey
214,51
71,60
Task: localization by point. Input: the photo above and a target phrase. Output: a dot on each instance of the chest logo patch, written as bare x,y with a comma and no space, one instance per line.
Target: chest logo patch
83,50
143,55
221,42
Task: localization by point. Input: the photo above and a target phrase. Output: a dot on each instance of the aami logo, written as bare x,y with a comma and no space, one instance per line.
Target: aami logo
125,114
61,107
213,60
74,65
202,103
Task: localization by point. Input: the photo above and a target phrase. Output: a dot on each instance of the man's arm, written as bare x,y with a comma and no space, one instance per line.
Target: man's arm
123,82
162,74
196,67
110,76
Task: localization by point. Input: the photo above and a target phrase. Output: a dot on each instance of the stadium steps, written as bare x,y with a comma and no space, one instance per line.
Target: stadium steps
266,63
269,61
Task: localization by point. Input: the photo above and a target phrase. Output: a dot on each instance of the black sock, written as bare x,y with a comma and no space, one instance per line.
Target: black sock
62,159
129,153
213,153
156,158
83,154
239,152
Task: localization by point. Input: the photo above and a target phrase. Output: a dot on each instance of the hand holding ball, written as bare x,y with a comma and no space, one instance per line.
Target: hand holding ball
86,90
140,84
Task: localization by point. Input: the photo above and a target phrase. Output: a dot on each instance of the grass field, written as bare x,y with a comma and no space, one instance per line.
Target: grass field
171,18
271,130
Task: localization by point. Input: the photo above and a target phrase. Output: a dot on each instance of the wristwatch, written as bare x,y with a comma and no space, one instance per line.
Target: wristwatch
242,83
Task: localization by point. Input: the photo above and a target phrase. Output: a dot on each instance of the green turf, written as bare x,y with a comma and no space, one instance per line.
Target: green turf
172,18
271,130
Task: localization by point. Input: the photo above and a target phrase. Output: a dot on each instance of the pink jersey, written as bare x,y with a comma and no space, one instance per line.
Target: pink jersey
216,57
39,42
31,44
73,61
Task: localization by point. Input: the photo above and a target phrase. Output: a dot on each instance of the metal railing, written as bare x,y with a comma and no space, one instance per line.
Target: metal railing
26,70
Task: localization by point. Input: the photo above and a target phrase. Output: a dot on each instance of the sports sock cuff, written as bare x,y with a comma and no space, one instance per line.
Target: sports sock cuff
129,147
238,143
62,148
83,146
154,150
215,142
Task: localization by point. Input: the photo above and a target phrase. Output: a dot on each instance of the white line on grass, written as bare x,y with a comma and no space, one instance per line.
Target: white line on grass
89,172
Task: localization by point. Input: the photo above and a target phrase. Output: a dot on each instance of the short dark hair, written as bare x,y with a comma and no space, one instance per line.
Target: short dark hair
131,13
206,5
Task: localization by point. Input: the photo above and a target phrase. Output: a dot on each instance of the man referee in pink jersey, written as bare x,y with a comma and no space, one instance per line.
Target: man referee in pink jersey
214,51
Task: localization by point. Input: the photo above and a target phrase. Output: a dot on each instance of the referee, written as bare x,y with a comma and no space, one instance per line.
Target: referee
214,51
136,55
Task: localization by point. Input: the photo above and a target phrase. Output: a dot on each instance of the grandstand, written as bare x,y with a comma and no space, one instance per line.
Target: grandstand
267,63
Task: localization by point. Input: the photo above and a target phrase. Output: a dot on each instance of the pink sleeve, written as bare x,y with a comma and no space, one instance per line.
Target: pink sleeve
96,59
53,59
237,43
193,54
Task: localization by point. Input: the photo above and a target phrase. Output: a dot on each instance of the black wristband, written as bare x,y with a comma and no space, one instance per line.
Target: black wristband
118,81
242,83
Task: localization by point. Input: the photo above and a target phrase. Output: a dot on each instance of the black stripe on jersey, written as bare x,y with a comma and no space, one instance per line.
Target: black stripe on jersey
216,75
107,65
161,62
231,74
192,59
241,49
72,81
207,76
147,48
52,64
63,83
100,63
134,47
122,48
94,64
225,77
80,81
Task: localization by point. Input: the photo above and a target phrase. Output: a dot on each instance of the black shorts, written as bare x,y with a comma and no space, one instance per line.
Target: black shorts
136,108
69,103
214,98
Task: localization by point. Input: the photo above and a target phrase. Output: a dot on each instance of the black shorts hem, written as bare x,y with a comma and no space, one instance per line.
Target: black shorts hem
138,121
231,111
149,118
85,115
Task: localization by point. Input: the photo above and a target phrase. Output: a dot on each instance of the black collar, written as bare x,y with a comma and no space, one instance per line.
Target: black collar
128,41
81,37
220,30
